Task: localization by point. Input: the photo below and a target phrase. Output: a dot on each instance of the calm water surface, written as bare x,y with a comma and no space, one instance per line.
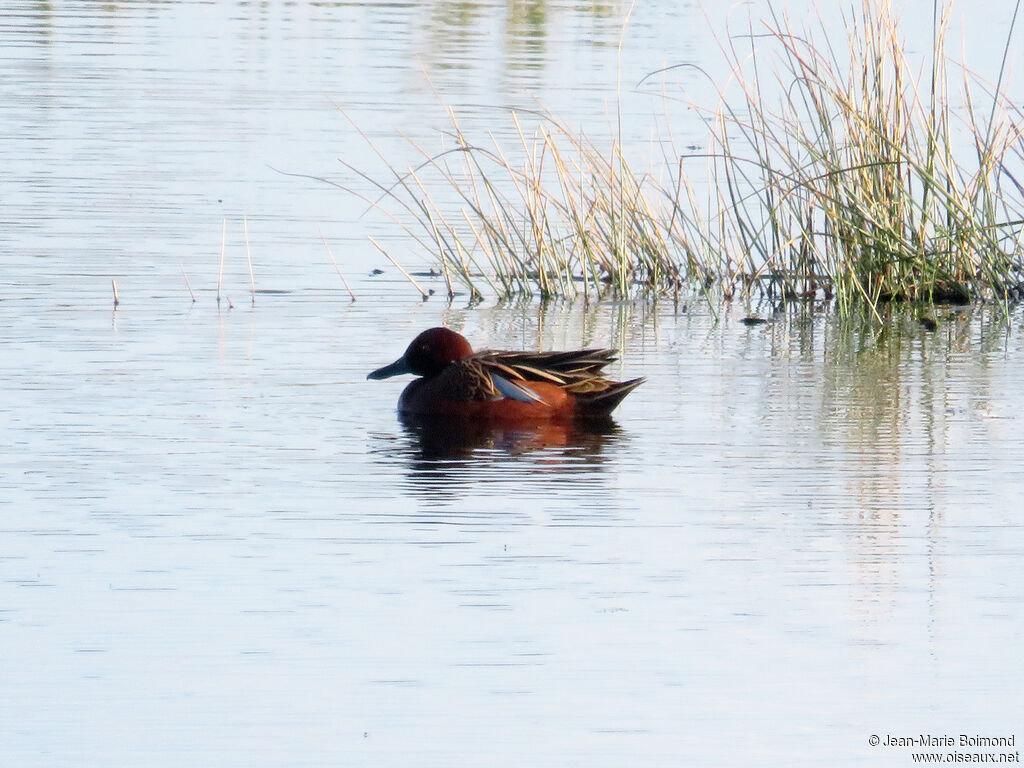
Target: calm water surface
221,546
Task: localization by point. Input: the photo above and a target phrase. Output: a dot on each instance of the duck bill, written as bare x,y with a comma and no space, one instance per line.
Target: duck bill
397,368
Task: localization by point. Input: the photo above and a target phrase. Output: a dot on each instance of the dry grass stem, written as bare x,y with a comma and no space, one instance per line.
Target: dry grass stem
424,294
336,267
248,257
187,283
223,242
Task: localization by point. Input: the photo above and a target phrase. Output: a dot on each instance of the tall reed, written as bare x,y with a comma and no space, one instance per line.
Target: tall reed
565,219
849,180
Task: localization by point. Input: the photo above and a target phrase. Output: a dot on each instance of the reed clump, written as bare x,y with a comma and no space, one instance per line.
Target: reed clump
837,175
566,219
849,183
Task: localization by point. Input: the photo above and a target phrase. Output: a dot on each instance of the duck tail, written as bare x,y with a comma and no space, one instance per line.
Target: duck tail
603,402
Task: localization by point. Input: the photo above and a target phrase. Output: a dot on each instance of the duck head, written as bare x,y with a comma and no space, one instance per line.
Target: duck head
428,354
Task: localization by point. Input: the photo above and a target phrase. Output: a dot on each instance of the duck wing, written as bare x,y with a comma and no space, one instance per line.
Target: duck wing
474,379
579,372
561,368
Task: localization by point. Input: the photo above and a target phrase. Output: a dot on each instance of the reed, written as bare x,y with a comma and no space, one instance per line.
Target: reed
424,294
223,243
833,177
849,183
188,283
248,257
566,219
336,267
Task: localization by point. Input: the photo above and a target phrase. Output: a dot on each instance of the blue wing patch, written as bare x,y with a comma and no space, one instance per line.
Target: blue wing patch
515,391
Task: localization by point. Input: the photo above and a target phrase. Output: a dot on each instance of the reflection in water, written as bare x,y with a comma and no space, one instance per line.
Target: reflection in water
447,438
446,459
525,34
458,33
892,398
900,410
450,31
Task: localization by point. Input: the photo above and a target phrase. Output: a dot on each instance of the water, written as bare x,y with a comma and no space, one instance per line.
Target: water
222,547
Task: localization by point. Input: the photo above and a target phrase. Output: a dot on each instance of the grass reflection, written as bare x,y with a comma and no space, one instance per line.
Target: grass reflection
456,31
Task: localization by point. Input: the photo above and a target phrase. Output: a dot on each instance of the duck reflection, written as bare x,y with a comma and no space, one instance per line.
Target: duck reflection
439,437
448,459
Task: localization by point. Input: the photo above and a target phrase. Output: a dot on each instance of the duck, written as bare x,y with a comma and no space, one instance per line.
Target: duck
504,386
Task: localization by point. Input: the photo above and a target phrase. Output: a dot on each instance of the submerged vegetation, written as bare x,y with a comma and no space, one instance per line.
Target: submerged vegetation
838,175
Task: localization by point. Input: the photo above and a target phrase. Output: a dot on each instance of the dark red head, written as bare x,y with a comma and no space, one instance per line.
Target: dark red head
428,355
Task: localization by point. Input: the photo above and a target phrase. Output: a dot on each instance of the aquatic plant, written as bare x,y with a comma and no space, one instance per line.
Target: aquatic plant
850,184
834,177
568,220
